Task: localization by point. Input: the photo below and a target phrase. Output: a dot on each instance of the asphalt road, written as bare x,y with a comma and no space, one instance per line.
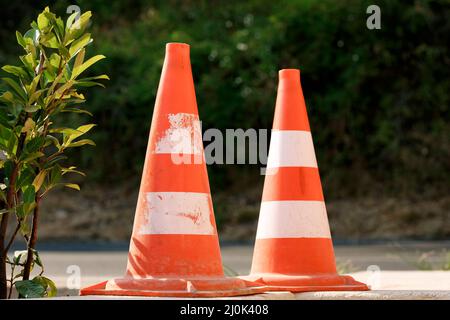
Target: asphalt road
82,266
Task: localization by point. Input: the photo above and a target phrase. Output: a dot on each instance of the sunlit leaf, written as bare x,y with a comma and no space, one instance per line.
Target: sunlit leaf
75,27
49,285
76,110
17,71
39,179
29,125
89,84
100,77
81,143
72,186
72,170
43,21
80,43
80,69
21,40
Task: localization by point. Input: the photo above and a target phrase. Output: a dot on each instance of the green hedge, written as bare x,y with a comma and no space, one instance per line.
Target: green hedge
377,99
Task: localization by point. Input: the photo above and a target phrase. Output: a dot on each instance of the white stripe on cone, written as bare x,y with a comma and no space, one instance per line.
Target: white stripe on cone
293,219
177,213
184,135
291,148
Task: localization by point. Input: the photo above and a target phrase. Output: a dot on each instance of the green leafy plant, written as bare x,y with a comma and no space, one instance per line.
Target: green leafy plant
33,148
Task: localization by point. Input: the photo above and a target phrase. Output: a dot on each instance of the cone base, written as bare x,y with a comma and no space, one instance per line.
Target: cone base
174,287
304,283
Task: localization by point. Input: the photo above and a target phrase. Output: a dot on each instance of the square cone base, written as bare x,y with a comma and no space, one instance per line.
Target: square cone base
174,287
304,283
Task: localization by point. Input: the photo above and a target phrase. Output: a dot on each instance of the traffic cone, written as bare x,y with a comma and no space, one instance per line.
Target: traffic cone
293,248
174,249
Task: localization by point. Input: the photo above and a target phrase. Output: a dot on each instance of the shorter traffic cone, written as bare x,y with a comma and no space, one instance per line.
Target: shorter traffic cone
293,249
174,249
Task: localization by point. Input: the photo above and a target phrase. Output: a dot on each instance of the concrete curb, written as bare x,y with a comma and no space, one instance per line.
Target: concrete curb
322,295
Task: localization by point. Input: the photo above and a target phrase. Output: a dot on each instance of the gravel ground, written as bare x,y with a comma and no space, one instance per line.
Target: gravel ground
107,214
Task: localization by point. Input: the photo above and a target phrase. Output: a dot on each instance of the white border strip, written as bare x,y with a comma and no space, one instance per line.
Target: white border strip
291,148
293,219
177,213
184,135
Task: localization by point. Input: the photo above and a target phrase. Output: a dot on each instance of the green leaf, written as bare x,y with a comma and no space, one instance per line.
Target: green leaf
65,131
30,289
33,35
11,144
80,69
34,144
29,62
49,139
8,167
7,96
26,177
71,20
29,125
79,59
21,40
89,84
80,43
81,143
34,84
24,227
33,98
32,108
100,77
72,170
55,175
59,26
43,21
39,179
84,129
50,41
76,110
49,285
17,71
72,186
55,60
16,88
29,194
75,27
5,118
53,161
32,156
71,134
58,93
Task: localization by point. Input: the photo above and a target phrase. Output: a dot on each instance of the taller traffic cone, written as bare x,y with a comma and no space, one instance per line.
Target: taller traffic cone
174,249
293,249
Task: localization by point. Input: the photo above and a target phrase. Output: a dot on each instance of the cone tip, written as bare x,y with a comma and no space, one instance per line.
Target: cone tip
178,53
289,73
177,45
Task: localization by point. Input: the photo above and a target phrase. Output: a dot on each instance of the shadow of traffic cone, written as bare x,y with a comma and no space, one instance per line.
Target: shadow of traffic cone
293,248
174,249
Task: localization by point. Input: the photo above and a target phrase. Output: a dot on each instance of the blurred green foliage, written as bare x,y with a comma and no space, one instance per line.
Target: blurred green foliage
378,100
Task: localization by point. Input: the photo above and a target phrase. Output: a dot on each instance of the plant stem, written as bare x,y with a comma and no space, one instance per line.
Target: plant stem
3,229
13,267
8,246
10,204
3,282
32,241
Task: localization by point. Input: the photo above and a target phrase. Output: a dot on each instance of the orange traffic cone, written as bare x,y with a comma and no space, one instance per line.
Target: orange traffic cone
293,249
174,249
